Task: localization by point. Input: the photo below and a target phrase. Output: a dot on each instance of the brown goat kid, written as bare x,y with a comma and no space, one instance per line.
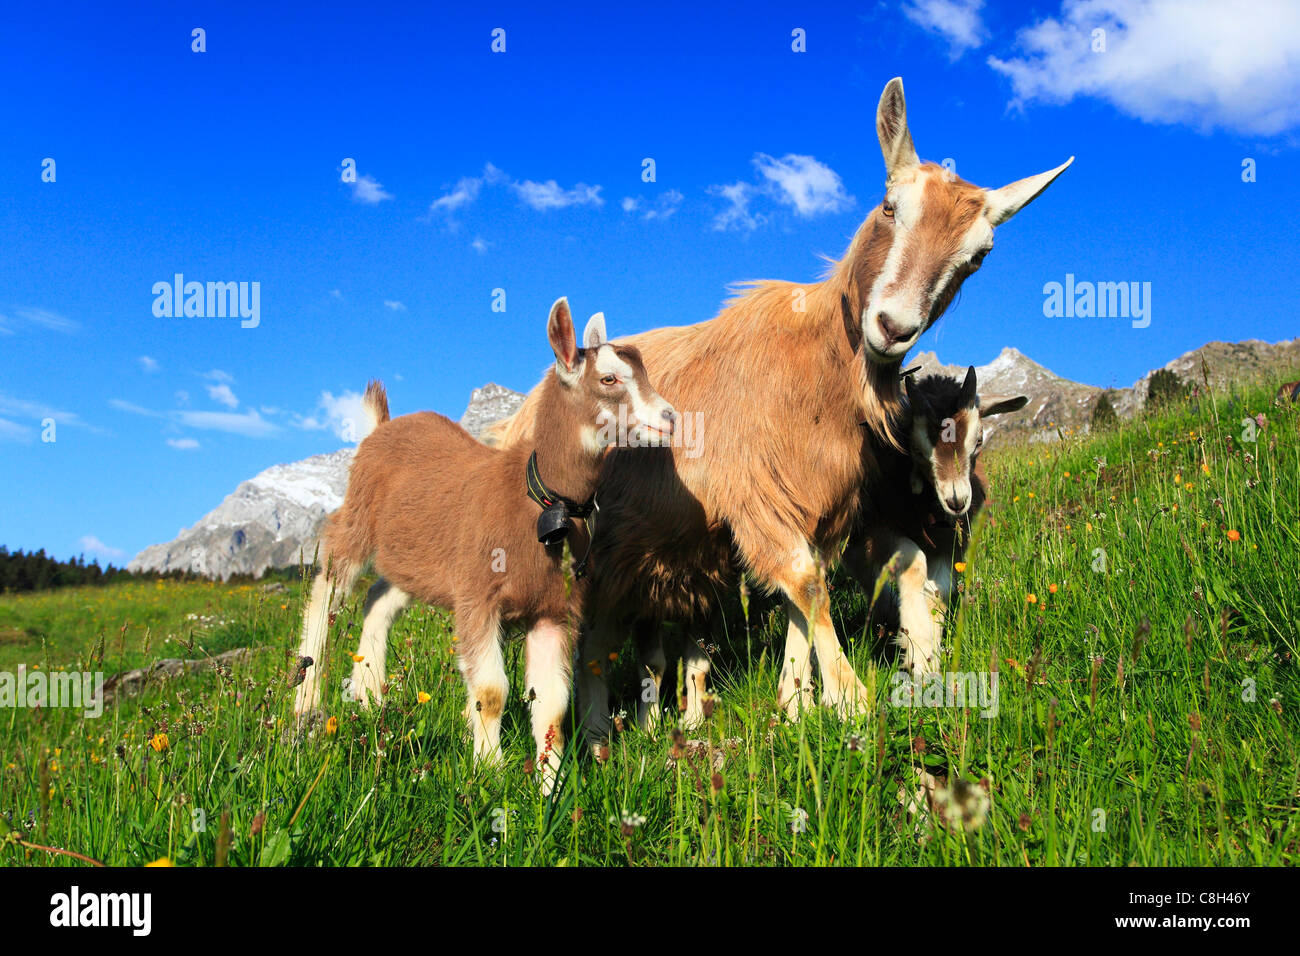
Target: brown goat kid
916,517
449,521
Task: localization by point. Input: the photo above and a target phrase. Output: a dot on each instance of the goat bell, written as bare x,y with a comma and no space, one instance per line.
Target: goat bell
553,524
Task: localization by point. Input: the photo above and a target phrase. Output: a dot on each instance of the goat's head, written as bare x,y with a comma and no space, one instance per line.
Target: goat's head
609,385
947,434
929,234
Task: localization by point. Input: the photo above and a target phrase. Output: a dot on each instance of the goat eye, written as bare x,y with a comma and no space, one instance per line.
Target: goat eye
887,208
609,380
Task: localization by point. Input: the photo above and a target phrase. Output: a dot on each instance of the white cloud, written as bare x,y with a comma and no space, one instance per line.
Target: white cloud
12,431
957,21
465,192
479,245
150,365
216,375
345,416
124,406
737,214
183,397
222,395
539,196
395,305
367,190
92,546
249,424
1202,63
40,317
810,187
668,203
184,444
39,411
336,294
550,195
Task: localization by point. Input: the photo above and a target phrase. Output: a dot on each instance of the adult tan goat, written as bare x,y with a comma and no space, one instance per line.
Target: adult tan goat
778,384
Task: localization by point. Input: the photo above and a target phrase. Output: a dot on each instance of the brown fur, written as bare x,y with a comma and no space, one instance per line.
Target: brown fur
781,396
448,521
1289,392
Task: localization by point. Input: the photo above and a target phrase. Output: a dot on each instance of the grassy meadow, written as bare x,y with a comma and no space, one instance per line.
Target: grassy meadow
1137,593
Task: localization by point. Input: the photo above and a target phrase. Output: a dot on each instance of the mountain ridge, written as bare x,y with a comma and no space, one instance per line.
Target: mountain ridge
274,518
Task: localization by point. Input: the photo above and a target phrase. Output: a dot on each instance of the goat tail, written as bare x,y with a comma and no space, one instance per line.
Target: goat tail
375,403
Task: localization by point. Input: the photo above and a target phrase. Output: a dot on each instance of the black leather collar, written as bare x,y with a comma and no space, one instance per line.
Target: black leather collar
554,524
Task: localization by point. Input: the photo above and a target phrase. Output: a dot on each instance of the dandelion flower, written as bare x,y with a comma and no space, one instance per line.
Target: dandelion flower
1031,598
1205,467
159,742
959,567
332,726
423,698
1234,534
161,861
358,658
1051,589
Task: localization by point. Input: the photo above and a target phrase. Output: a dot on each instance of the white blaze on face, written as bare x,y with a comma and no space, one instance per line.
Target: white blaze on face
646,407
948,464
906,288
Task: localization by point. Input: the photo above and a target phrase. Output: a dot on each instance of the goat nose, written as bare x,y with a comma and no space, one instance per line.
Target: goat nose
889,328
957,504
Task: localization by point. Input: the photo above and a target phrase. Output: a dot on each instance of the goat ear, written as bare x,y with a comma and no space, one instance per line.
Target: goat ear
593,337
891,128
968,398
559,332
1006,202
915,396
1000,404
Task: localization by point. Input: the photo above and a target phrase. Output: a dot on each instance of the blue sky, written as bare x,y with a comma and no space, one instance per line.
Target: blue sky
522,171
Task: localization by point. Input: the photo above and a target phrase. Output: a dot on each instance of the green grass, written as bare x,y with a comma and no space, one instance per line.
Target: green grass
1188,756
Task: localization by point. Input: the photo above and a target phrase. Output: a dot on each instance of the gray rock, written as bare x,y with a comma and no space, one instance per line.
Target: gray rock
489,404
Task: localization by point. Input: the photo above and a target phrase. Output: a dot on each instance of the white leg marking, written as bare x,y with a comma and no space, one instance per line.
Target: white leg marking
549,681
384,602
328,592
487,687
696,674
917,626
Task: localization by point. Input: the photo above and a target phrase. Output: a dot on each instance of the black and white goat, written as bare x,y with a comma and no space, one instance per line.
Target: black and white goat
916,515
